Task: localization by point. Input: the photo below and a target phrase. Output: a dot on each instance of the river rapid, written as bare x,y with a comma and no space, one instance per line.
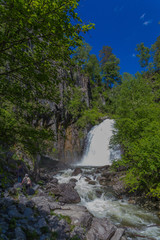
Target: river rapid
101,200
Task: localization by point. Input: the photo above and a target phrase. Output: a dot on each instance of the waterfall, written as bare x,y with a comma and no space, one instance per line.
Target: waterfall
100,200
97,152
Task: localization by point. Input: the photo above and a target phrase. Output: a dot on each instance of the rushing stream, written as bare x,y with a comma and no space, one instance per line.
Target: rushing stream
100,200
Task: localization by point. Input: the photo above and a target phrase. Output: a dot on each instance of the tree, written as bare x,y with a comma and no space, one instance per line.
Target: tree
143,54
137,121
156,53
110,67
36,41
105,54
93,69
81,55
111,71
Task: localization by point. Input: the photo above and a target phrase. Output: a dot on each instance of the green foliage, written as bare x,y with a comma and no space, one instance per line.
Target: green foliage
137,121
54,236
12,223
37,39
143,54
90,116
110,67
75,102
93,69
111,71
66,218
81,54
105,54
156,53
75,238
31,235
44,229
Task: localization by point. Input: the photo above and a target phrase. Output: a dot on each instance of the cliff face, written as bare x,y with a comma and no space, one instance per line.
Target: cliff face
67,145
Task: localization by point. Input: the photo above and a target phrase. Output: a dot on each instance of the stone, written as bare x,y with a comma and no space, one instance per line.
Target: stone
4,225
3,237
41,204
13,212
41,223
101,229
92,182
118,234
31,191
77,171
45,237
21,207
68,194
79,215
73,182
20,235
78,232
28,212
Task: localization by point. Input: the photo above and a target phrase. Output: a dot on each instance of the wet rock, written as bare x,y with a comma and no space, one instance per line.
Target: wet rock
54,181
87,179
65,193
101,229
118,234
92,182
77,171
68,194
119,188
102,181
73,182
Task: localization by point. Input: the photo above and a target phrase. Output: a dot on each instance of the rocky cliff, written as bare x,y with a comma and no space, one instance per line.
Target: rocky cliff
67,144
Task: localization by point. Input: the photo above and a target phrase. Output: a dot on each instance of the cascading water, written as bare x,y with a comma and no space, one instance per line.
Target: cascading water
100,200
97,152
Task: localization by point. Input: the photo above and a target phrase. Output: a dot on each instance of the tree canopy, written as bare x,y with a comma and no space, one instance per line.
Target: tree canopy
37,39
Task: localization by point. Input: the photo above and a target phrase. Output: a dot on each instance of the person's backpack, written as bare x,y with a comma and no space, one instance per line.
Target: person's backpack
25,180
28,181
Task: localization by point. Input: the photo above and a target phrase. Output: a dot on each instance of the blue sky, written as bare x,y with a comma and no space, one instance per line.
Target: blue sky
121,24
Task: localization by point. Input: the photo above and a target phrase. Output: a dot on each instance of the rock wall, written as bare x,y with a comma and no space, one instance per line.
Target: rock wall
67,144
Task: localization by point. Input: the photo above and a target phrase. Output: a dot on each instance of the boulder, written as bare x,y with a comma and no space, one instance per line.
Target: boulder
73,182
77,171
118,234
66,193
101,229
79,215
20,235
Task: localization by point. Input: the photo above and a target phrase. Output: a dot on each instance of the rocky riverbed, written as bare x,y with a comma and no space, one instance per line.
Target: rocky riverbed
53,210
50,211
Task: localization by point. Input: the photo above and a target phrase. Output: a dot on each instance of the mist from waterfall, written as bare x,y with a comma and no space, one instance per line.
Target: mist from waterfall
97,151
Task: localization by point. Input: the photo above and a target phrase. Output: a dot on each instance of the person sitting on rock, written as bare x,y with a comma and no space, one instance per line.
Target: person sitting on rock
27,182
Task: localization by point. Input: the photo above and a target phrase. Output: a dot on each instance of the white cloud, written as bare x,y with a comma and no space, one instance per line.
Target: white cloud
142,16
147,22
133,55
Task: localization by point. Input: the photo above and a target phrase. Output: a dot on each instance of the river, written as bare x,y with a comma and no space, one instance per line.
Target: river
100,200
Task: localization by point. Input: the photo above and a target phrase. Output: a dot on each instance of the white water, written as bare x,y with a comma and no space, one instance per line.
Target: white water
98,152
99,200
